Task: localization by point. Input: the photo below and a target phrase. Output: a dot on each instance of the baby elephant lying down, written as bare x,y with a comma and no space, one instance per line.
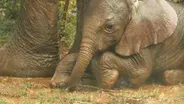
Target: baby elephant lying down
145,37
110,70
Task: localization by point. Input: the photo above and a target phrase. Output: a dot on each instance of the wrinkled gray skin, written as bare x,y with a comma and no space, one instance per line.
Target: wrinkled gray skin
65,67
96,38
165,59
151,41
32,51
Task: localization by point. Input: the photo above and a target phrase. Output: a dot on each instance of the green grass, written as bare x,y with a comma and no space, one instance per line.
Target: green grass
176,0
2,101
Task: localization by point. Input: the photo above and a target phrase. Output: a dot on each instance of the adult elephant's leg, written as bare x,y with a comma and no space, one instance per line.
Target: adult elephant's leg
32,51
172,77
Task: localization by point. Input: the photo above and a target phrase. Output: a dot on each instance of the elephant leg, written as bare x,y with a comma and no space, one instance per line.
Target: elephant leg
105,74
63,70
112,71
172,77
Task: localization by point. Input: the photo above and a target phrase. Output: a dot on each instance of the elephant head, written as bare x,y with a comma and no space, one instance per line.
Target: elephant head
152,22
131,24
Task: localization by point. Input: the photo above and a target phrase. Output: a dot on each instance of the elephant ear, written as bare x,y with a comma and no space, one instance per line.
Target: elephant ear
151,22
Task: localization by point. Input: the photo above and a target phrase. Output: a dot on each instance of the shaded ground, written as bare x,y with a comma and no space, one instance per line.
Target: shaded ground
37,91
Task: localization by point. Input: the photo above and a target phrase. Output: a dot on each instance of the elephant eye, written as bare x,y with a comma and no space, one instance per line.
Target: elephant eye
109,27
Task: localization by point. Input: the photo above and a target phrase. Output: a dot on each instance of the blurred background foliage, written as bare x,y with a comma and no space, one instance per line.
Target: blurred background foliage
9,11
176,0
67,21
8,14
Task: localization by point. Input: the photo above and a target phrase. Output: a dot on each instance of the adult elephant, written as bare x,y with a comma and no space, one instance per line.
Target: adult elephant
32,51
146,30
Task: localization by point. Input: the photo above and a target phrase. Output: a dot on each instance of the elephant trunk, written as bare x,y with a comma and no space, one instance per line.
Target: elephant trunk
83,59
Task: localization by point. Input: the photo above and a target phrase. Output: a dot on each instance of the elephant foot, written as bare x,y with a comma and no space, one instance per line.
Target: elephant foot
62,74
105,74
60,83
172,77
108,79
113,71
63,71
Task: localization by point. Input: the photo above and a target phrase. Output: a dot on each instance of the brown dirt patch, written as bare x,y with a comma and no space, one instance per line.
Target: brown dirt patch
37,91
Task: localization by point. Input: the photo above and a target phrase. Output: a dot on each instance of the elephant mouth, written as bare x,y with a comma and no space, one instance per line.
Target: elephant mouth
107,48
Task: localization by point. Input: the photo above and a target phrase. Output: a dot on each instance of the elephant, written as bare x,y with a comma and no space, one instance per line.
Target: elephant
110,36
64,69
32,50
144,37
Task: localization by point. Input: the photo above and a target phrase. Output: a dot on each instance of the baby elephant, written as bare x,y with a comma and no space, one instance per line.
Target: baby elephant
65,68
147,38
111,70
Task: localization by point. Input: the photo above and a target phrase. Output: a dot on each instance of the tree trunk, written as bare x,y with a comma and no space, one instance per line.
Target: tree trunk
81,8
32,50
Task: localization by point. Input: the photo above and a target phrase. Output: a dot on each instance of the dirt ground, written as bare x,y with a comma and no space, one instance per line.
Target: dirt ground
37,91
